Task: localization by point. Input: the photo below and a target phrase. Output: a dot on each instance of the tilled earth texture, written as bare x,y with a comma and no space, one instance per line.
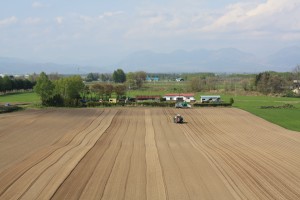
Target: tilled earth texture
139,153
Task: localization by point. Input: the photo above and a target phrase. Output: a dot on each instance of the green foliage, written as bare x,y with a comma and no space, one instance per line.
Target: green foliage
92,77
120,90
1,84
119,76
10,83
44,87
268,82
136,79
63,92
55,100
106,77
7,83
98,89
108,90
69,87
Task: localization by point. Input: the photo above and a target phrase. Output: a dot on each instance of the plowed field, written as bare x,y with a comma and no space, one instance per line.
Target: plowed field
139,153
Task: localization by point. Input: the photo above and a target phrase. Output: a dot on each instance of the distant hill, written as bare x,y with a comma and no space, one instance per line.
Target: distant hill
20,66
284,59
222,60
202,60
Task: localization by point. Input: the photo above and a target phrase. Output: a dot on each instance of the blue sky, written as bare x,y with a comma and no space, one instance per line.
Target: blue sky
76,31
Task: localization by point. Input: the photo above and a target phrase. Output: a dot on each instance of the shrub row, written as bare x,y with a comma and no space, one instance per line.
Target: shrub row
6,109
212,104
278,107
150,104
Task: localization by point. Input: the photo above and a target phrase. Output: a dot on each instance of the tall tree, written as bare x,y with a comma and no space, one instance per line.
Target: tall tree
108,90
120,90
136,79
7,83
92,77
44,87
98,89
119,76
70,87
1,84
105,77
296,72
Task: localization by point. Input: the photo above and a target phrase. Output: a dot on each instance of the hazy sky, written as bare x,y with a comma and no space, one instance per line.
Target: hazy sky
73,31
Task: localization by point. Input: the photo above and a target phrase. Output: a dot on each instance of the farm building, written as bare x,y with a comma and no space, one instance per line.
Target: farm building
180,97
152,79
209,99
146,98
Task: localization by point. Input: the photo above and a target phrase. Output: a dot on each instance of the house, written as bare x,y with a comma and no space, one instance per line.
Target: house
210,99
150,79
147,98
155,79
296,90
187,97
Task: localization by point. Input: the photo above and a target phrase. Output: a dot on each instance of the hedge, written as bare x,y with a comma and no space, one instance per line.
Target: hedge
212,104
6,109
150,104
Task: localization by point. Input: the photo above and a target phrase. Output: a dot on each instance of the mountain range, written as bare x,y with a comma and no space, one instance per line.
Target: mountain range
228,60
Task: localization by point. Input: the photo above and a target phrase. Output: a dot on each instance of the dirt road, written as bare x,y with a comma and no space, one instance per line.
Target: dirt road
139,153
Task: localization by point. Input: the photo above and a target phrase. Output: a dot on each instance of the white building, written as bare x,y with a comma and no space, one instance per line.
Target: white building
209,99
180,97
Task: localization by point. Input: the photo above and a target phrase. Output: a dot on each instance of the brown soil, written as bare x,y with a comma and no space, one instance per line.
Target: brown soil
139,153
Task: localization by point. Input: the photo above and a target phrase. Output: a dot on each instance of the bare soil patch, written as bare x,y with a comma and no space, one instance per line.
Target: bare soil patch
139,153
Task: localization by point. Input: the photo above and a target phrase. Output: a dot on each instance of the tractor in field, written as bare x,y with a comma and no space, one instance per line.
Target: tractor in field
178,119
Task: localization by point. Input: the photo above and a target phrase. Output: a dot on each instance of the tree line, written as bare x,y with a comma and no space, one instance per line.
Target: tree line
64,91
267,82
10,83
133,79
71,91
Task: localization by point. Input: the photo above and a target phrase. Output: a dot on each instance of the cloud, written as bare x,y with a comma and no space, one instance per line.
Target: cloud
32,21
105,15
112,14
38,4
8,21
59,20
253,16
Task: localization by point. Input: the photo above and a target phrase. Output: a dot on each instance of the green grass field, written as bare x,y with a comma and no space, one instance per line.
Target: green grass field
29,97
285,117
